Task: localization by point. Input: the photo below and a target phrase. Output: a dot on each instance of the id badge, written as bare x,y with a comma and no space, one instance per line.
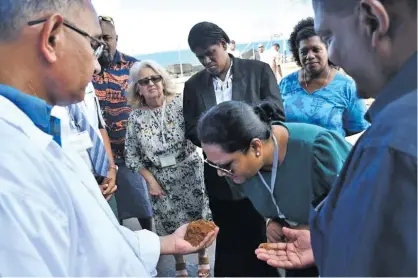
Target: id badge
81,141
167,161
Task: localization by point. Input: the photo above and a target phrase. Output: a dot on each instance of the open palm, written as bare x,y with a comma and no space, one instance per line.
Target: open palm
184,247
296,253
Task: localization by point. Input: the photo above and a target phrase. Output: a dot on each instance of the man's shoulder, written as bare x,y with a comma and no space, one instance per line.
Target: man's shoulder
198,77
127,58
250,65
396,125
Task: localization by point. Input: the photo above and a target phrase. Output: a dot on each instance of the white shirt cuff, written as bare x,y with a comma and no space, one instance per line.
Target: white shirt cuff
149,250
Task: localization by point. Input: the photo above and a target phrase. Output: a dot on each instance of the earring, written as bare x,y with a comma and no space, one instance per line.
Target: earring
257,154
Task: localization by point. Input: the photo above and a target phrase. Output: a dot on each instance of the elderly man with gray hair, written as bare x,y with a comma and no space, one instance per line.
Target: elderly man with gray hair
54,219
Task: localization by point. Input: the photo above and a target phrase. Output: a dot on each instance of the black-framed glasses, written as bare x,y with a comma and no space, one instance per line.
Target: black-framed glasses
154,78
223,170
107,19
96,44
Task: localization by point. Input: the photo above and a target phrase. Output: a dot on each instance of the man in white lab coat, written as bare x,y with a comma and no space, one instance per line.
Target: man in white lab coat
54,219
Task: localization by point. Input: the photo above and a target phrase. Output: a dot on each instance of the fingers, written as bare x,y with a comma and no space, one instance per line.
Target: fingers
277,246
278,261
103,187
291,234
280,264
110,188
209,239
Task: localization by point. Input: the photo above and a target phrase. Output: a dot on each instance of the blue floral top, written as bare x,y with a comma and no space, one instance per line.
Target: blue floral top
335,107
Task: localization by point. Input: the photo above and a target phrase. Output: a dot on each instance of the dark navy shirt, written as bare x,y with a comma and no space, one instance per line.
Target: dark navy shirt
368,224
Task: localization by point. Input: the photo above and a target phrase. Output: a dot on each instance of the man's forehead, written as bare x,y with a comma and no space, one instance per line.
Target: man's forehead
107,28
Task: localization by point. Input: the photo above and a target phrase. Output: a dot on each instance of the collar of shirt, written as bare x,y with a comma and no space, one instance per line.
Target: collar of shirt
36,109
403,83
228,74
118,58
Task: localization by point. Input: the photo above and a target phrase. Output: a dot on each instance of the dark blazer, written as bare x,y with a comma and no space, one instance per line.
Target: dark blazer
253,81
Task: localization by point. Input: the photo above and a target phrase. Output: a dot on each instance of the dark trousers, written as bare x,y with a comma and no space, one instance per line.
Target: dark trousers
241,230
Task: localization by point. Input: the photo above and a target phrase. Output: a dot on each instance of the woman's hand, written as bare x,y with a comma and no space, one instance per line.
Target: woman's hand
274,232
155,189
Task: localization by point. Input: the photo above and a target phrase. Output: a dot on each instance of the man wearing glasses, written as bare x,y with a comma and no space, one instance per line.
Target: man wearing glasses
54,219
110,85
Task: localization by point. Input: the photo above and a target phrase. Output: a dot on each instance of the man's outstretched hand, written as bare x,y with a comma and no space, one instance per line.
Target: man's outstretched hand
296,253
175,244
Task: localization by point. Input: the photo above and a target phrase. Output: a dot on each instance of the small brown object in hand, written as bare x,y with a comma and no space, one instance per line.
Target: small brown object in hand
265,246
198,230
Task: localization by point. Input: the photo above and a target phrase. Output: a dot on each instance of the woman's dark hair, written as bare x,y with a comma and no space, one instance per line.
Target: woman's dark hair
303,30
233,125
204,34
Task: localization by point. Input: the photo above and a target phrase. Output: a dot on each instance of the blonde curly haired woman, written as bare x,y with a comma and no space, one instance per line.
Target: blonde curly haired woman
157,148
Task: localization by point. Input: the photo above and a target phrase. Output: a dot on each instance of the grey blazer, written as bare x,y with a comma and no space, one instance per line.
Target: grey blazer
253,81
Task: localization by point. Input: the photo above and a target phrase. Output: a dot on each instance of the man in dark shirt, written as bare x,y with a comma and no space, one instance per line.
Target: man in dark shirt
367,226
110,85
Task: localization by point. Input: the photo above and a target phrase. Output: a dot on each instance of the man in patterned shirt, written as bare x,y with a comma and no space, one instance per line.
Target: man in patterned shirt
110,86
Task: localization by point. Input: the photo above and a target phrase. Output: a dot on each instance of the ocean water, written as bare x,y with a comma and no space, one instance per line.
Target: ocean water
185,56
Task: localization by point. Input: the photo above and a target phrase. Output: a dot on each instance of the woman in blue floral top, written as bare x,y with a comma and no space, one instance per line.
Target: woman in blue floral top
318,93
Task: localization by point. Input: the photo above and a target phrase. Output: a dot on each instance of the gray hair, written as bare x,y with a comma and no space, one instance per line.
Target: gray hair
14,14
134,98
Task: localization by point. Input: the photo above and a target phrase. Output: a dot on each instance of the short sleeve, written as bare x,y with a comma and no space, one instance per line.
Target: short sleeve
353,117
330,151
134,156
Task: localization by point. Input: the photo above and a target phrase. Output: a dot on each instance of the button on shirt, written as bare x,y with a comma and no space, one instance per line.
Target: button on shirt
110,86
223,89
368,224
55,221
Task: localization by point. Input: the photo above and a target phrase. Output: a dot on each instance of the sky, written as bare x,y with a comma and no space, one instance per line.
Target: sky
149,26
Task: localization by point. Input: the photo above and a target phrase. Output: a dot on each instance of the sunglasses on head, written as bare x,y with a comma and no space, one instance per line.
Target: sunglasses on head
154,78
107,19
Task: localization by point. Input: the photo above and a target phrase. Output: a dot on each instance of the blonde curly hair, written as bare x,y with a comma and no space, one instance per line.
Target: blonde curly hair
135,100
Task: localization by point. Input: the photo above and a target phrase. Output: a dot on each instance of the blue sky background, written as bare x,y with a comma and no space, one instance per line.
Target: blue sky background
162,25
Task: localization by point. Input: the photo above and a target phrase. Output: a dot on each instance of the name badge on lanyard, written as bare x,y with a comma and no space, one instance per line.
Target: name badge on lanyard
165,160
81,141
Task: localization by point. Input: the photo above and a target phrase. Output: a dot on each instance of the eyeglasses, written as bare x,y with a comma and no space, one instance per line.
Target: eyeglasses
96,44
154,78
107,19
225,171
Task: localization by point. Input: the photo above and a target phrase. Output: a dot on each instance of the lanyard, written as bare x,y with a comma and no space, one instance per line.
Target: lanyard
274,168
273,176
273,181
161,125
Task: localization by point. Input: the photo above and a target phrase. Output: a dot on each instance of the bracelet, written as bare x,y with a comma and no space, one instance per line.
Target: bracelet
114,166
